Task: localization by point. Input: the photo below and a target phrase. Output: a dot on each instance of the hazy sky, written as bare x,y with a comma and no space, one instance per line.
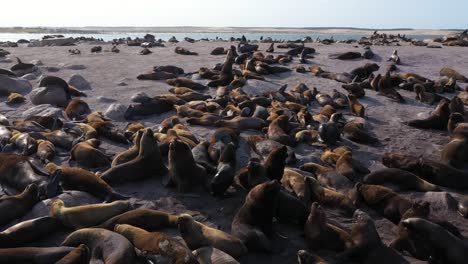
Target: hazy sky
422,14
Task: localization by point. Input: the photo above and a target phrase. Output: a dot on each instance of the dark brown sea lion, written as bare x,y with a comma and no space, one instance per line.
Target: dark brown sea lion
153,244
105,246
275,163
351,55
15,98
181,82
87,155
80,255
28,231
252,224
402,179
386,202
438,119
226,76
184,172
12,207
386,88
130,153
183,51
363,72
455,153
444,246
155,106
226,170
36,255
277,131
349,167
86,181
198,235
148,219
355,131
322,235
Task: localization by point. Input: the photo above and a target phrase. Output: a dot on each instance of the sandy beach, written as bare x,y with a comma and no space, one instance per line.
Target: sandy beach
106,70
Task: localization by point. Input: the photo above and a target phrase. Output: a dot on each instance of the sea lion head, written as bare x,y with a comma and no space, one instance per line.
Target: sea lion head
184,220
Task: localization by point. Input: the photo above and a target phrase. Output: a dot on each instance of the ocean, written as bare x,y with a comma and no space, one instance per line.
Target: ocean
196,35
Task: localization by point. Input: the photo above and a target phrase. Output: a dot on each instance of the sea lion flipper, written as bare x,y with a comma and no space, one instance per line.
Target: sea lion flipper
52,188
37,167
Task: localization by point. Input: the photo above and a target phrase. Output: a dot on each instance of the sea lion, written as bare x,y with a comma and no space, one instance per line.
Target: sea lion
444,246
355,131
350,55
241,123
395,58
329,132
367,247
156,243
182,51
86,181
356,107
105,246
148,163
349,167
28,231
295,182
15,98
148,219
24,142
277,131
386,88
226,170
451,73
364,72
403,180
386,202
252,224
130,153
304,257
455,153
438,119
320,234
198,235
182,82
12,207
80,255
45,150
425,97
226,76
87,155
77,109
37,255
276,162
211,255
184,172
86,215
290,208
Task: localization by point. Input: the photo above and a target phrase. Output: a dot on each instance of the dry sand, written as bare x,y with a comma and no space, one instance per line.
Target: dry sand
385,117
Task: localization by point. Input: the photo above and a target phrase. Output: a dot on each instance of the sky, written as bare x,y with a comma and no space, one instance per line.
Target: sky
419,14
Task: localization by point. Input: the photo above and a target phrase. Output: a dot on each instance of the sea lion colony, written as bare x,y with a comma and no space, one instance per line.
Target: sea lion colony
331,207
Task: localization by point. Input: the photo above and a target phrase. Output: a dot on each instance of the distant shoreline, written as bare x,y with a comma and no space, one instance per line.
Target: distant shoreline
307,30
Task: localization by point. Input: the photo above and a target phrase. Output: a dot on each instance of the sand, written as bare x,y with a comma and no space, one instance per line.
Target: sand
105,70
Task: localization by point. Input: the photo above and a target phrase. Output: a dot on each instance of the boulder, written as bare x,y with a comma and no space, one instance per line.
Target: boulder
58,42
79,82
116,111
52,94
140,97
43,110
10,84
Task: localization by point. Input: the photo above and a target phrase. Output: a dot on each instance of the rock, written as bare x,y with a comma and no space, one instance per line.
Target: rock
140,97
52,94
103,99
14,85
196,77
52,69
116,111
5,60
256,87
75,67
43,110
79,82
37,62
30,76
57,42
122,84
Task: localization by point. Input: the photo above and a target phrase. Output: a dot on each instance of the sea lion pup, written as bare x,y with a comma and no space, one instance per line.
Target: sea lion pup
432,171
252,224
382,199
153,244
321,235
226,170
277,131
352,169
330,132
28,231
438,119
148,163
211,255
86,215
304,257
182,51
182,82
77,109
148,219
403,180
444,246
271,49
87,155
356,107
451,73
39,255
354,130
86,181
395,58
105,246
45,150
387,89
80,255
198,235
12,207
367,247
130,153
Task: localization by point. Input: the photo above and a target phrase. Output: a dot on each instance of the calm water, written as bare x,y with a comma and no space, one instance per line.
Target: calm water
180,36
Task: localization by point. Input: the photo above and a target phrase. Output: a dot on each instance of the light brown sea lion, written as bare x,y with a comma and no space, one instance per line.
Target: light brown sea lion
148,219
402,179
12,207
330,198
86,215
148,163
130,153
37,255
252,224
87,154
355,131
86,181
386,202
105,246
444,246
77,109
24,142
295,182
198,235
349,167
277,131
80,255
211,255
438,119
451,73
241,123
356,107
185,111
367,247
15,98
168,123
28,231
208,119
45,150
455,153
304,257
322,235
